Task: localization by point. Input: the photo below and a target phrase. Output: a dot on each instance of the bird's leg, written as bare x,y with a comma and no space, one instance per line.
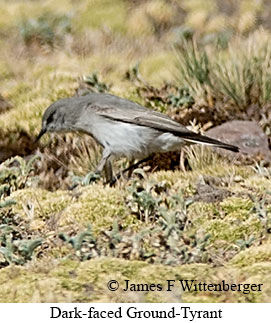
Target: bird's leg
112,180
108,171
128,169
105,159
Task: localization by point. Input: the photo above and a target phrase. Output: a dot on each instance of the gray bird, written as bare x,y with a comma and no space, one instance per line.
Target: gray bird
122,127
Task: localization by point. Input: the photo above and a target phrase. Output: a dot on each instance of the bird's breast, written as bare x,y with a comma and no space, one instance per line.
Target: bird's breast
124,139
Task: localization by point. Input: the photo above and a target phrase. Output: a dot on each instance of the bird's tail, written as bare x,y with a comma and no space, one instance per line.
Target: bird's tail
199,139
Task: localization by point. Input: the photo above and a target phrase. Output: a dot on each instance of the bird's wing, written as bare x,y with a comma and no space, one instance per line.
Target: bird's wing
143,117
146,118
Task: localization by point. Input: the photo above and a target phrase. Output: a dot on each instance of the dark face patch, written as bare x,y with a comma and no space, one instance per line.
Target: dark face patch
50,118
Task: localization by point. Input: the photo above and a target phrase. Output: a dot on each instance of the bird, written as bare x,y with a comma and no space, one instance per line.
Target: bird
122,127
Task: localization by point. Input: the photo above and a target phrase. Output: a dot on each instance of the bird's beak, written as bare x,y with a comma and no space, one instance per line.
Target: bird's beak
42,132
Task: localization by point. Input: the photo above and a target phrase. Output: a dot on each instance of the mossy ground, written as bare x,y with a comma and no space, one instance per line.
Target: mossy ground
58,275
73,281
226,202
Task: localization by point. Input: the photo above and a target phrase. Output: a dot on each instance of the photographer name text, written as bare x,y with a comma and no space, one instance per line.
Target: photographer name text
185,285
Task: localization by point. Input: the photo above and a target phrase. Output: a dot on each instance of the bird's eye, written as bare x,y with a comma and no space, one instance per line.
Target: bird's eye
50,118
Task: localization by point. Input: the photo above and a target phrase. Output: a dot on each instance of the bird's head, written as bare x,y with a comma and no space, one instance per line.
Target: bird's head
53,119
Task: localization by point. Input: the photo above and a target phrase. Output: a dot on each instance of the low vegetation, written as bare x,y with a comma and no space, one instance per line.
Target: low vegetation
198,215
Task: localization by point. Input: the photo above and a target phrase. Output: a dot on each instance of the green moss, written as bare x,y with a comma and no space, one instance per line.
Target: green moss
236,208
258,183
98,206
252,256
6,21
227,222
157,67
232,231
260,269
72,281
108,37
101,14
45,203
39,206
5,70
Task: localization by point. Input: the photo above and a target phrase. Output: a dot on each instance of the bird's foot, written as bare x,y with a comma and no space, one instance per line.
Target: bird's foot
112,181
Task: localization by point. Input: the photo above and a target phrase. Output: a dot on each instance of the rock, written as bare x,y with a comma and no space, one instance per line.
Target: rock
247,135
211,189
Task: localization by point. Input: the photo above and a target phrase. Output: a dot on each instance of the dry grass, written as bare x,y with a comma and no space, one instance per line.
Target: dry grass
211,220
